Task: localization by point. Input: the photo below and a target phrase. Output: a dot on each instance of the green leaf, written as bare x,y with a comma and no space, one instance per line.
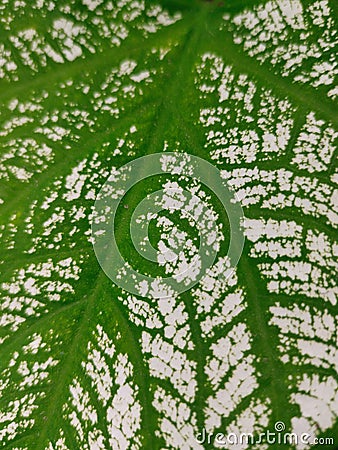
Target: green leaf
89,86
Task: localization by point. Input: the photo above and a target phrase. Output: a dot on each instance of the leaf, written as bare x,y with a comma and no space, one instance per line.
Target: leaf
88,87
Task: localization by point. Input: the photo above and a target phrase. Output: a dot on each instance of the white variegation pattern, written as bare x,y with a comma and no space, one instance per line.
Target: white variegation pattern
293,259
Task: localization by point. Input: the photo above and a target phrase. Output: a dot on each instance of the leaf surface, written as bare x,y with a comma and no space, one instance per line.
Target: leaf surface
85,88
